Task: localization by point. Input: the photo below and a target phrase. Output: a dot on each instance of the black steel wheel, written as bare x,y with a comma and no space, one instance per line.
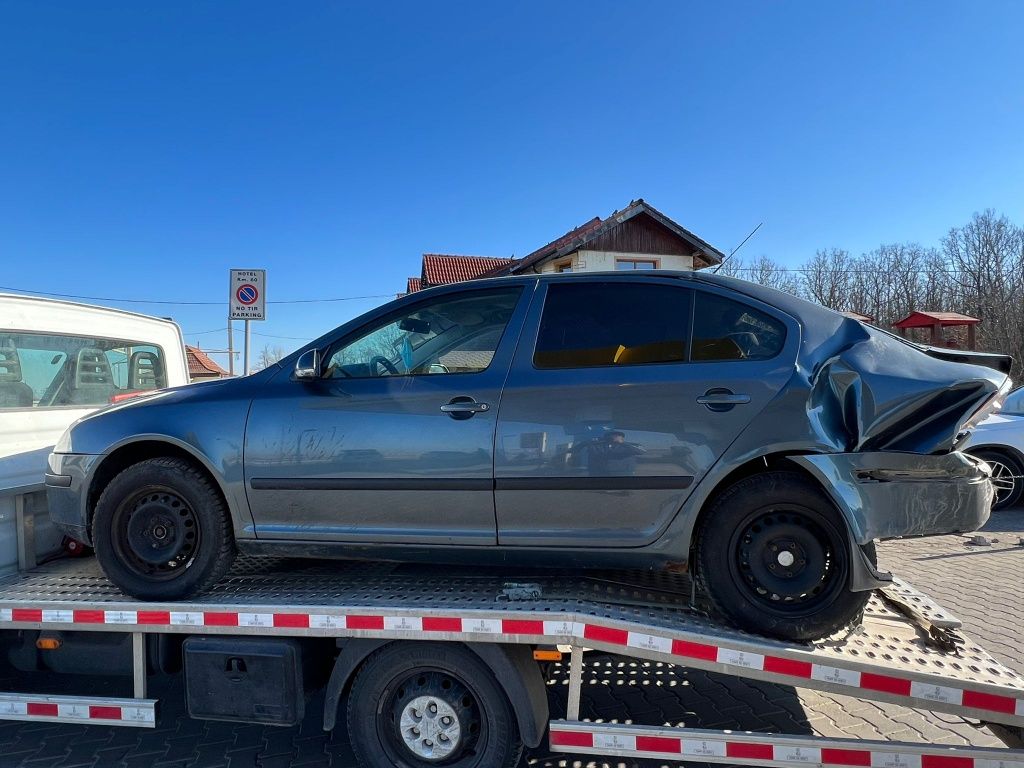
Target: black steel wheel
419,705
789,558
773,557
161,531
155,533
1006,476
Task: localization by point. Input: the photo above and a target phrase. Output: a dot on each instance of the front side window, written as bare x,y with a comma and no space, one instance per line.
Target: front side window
724,329
451,334
44,370
610,324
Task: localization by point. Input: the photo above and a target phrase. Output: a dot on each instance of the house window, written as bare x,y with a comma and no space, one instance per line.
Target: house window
565,266
628,264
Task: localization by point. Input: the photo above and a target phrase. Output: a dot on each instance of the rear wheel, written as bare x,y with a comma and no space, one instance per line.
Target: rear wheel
774,557
422,704
1006,476
161,531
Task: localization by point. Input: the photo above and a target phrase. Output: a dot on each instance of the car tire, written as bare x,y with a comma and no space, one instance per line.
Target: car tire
773,556
1005,466
444,690
161,530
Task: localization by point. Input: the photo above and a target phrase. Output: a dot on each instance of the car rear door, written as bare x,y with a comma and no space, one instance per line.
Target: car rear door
622,395
394,442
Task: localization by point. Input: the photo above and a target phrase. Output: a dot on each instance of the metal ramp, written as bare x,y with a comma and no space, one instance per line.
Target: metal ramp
891,657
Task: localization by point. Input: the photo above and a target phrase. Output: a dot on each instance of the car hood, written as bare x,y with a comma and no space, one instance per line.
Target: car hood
203,391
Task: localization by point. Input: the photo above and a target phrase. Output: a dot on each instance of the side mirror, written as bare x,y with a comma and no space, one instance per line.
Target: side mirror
308,365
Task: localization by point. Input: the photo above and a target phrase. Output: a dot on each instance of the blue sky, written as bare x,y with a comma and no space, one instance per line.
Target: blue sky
149,147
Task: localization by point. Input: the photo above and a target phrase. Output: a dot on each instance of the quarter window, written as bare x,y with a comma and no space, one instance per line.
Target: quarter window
451,334
42,370
610,324
724,329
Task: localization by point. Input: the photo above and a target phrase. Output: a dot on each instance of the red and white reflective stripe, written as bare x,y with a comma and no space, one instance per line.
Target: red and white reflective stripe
765,749
585,633
84,709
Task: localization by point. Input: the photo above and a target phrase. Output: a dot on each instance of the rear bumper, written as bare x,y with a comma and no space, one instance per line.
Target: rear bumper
884,495
66,492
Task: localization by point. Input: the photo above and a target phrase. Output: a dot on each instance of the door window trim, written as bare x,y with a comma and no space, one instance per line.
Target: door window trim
382,320
792,326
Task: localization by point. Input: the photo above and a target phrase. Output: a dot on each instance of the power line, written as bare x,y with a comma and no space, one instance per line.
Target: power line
190,303
203,333
274,336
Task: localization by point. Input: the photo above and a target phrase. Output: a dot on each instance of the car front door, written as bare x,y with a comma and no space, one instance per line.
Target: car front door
622,395
393,442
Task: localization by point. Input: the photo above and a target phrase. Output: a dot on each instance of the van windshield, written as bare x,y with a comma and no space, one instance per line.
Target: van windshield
44,370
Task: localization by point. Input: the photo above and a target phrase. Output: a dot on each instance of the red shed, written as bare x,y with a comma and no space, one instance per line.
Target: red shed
937,321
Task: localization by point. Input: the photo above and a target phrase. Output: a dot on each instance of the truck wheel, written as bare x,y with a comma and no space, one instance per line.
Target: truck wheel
1006,471
161,531
773,556
414,705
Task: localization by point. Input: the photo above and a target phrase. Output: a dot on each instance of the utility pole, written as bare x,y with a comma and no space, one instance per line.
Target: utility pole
246,373
231,346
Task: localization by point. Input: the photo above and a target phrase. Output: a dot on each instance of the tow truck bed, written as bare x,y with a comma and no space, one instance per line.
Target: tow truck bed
889,658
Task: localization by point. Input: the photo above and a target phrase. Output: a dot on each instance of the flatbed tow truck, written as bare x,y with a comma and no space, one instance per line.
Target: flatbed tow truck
273,628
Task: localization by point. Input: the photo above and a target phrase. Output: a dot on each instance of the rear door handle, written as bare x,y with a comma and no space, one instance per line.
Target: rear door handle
464,407
721,399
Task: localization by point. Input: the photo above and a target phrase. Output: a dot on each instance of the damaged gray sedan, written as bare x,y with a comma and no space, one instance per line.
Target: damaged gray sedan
641,420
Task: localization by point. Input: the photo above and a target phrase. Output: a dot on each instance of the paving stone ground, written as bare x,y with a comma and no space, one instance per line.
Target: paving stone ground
984,585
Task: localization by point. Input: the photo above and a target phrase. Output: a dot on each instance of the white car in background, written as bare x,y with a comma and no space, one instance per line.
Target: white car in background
999,441
60,361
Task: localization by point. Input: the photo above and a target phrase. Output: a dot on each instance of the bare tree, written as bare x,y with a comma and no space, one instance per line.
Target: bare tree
827,278
986,258
268,356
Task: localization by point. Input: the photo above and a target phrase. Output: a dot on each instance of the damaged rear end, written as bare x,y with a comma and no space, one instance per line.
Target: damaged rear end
893,413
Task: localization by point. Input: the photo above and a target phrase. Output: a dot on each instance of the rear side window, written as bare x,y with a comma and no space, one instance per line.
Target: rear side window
44,370
724,329
587,325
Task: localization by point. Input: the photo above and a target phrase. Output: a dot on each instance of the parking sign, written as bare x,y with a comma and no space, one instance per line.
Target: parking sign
247,296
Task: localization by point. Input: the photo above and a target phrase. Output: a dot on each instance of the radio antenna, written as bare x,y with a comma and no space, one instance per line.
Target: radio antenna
733,252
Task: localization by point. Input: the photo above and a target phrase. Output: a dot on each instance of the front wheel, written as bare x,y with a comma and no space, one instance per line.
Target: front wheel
161,531
417,705
773,556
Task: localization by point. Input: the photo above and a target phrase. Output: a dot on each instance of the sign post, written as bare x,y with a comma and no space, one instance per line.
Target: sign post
247,301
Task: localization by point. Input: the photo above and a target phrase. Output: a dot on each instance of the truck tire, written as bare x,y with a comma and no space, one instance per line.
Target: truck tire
161,531
773,556
421,704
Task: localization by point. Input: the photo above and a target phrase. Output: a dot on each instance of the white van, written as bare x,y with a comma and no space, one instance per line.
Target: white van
60,361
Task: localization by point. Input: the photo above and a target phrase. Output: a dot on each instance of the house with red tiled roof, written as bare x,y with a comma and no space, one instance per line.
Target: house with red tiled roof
201,367
637,237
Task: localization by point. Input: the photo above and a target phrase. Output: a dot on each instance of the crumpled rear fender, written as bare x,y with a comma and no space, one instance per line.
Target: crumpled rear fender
883,495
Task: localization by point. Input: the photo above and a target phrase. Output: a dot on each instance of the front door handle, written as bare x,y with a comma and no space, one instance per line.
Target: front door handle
721,399
464,407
